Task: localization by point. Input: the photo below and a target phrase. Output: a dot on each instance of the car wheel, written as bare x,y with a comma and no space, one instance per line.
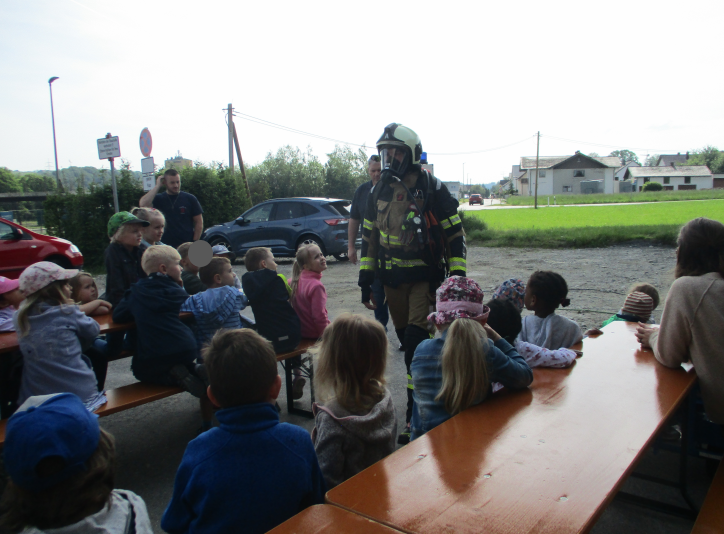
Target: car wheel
60,260
310,240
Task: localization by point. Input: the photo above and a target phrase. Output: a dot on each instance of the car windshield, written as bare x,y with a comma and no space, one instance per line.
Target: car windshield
338,208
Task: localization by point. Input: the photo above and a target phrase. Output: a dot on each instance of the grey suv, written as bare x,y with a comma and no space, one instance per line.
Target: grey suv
283,224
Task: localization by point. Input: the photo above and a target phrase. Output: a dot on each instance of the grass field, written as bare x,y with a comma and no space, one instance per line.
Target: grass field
592,226
653,196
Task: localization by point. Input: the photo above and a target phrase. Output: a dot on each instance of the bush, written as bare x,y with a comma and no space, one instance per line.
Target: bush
471,222
653,186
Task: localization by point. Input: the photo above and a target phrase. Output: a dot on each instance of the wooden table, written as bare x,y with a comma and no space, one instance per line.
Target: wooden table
9,340
547,459
324,518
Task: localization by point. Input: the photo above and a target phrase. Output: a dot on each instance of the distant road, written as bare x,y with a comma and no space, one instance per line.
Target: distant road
494,204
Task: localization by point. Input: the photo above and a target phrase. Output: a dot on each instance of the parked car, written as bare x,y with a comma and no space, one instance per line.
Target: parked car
20,247
475,199
283,224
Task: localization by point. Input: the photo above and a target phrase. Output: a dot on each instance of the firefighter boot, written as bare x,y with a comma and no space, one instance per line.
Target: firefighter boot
414,335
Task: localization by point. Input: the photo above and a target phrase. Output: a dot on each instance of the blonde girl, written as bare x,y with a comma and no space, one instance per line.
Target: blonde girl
50,333
454,372
309,297
357,424
152,233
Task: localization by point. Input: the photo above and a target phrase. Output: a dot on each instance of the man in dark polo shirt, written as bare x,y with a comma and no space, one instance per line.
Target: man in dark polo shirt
356,214
184,219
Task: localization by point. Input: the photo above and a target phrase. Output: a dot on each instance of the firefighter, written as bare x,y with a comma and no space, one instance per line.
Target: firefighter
412,237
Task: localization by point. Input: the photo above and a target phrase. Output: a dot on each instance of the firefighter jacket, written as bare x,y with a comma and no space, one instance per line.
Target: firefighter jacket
399,250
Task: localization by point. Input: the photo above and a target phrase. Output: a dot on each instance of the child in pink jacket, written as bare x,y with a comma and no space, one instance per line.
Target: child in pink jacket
309,297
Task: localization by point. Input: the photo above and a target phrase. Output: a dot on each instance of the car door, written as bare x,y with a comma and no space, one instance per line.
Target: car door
14,251
285,226
251,230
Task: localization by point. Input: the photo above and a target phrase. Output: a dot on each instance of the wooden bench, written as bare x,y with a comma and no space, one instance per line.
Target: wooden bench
123,398
711,515
307,372
328,519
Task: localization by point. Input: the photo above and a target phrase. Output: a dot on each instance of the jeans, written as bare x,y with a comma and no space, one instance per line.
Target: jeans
381,313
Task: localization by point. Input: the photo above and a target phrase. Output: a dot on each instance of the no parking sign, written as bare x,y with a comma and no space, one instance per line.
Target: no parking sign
146,142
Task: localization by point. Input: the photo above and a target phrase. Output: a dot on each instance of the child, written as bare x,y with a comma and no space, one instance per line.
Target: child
309,297
50,333
220,251
544,292
10,299
454,372
252,472
268,294
357,425
512,290
637,308
166,347
190,274
505,319
61,467
218,306
123,255
152,233
84,293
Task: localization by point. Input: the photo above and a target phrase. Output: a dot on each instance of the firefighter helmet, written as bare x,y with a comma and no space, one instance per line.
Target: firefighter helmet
399,149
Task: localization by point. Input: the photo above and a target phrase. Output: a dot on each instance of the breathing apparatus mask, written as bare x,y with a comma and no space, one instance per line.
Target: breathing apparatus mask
396,161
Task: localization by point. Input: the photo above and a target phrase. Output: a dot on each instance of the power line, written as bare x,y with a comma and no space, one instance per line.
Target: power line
479,151
611,146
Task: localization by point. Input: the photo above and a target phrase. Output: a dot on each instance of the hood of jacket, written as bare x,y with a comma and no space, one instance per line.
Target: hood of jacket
373,427
257,283
159,292
214,305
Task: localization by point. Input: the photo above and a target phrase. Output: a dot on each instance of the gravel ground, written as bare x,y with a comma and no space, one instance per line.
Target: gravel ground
151,439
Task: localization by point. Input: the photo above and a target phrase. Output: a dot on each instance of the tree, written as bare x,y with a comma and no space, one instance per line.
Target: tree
478,189
651,160
345,171
593,155
8,182
34,183
288,173
709,156
625,156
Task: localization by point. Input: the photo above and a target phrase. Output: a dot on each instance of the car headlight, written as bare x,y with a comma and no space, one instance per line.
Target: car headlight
74,249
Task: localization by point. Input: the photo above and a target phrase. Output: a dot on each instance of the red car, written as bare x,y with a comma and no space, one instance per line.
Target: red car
475,199
19,247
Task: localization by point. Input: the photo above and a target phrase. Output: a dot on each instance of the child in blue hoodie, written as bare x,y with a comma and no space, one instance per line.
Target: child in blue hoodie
218,306
166,347
252,472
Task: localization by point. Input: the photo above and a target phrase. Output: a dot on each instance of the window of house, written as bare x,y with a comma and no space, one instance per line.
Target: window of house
567,188
687,179
541,174
579,174
646,180
667,180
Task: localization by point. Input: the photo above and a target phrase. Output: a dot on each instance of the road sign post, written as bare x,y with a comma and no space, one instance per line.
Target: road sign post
147,166
108,148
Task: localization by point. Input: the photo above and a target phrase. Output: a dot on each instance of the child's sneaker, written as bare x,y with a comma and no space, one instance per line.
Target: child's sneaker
298,388
191,383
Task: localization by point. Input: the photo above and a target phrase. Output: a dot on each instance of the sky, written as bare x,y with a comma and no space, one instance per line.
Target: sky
475,80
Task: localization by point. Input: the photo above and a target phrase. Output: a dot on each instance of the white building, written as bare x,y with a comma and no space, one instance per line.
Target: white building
564,174
685,177
455,189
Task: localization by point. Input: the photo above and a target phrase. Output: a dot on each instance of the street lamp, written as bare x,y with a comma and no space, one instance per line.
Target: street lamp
55,146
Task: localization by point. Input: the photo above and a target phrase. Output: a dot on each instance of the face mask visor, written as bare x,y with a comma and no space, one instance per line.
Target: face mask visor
395,160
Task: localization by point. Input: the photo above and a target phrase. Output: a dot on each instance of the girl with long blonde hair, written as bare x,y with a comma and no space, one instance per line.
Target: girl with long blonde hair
454,372
356,425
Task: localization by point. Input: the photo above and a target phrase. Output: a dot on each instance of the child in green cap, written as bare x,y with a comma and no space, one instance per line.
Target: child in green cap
123,266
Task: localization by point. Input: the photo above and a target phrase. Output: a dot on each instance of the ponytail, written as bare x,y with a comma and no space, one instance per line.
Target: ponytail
300,261
465,378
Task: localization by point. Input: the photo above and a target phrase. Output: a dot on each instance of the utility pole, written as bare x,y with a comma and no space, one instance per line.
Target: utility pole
113,181
55,145
537,154
241,164
231,138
